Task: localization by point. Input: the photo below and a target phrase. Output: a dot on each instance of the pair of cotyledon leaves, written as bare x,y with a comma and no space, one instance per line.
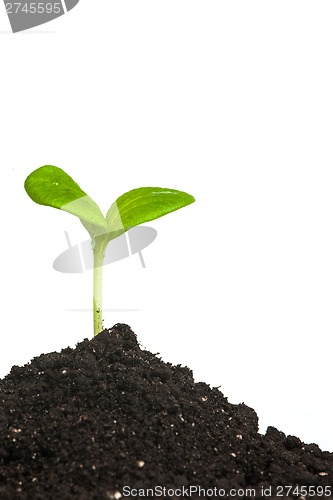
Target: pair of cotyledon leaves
51,186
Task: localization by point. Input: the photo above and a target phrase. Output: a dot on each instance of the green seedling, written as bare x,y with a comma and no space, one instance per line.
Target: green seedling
51,186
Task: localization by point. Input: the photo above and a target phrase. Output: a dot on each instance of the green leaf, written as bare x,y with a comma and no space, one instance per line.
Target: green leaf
51,186
143,205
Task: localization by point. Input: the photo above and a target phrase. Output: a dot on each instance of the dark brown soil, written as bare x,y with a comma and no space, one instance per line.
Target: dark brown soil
108,420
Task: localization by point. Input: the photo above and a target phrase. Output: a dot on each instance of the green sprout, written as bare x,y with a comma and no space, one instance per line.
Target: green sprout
51,186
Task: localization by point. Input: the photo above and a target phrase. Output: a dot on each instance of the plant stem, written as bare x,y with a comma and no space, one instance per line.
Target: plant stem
98,252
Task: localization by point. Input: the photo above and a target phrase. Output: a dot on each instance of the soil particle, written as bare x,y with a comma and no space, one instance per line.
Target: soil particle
109,420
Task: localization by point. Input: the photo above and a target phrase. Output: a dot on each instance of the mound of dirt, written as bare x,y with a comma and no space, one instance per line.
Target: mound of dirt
108,420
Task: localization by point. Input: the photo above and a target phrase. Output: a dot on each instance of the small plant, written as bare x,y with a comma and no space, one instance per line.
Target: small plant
51,186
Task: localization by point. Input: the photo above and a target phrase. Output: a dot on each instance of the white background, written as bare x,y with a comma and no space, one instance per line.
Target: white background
230,101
